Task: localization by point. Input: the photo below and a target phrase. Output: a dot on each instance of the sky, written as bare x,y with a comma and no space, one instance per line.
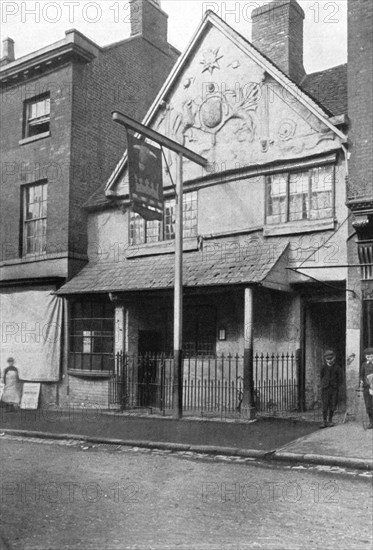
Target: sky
33,25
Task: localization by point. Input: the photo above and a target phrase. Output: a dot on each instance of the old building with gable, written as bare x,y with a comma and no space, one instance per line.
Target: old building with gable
265,233
58,145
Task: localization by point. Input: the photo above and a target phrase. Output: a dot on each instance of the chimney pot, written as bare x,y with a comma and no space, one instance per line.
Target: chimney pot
8,50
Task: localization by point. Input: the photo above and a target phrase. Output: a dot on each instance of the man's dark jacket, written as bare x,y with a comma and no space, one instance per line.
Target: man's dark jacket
330,376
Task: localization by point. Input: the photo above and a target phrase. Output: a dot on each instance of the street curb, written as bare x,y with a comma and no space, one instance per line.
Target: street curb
162,445
279,456
324,460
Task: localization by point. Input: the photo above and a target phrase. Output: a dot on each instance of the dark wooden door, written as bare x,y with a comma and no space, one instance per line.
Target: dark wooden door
150,346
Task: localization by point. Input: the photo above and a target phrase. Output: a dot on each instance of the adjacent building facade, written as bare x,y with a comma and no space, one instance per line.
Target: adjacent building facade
265,232
58,145
360,179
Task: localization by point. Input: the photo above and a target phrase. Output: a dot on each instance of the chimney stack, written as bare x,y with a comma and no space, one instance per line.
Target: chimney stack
8,50
149,21
277,32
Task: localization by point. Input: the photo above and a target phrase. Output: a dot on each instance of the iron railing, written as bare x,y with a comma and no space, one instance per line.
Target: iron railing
276,382
210,384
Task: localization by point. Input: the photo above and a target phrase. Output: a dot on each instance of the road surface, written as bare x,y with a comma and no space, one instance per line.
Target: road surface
67,495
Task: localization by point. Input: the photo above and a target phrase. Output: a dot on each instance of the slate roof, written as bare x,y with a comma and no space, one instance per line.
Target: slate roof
98,199
329,88
228,261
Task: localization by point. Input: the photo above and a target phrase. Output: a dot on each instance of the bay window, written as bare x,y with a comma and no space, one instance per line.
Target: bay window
143,231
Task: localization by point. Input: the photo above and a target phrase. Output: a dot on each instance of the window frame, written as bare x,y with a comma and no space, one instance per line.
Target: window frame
168,203
26,222
194,321
42,120
289,173
80,359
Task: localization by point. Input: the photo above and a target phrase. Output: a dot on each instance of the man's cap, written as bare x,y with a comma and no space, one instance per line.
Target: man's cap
329,353
368,351
10,359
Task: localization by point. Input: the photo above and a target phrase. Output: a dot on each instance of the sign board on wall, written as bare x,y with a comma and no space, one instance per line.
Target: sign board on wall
30,395
145,178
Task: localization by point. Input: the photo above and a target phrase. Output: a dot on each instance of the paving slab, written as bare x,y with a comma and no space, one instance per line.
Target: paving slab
347,444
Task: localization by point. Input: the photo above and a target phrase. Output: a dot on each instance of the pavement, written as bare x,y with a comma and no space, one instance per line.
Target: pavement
347,444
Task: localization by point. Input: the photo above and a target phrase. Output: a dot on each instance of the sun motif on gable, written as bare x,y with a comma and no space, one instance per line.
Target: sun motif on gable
211,60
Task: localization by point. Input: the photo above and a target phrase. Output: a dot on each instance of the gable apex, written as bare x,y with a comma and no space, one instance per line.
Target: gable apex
209,62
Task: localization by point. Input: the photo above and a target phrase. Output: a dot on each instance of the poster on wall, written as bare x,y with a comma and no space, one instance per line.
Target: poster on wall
30,395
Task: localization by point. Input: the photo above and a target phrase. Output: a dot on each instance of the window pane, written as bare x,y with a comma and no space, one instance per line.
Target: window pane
91,334
33,110
86,309
190,214
43,209
137,229
322,193
76,343
299,196
30,229
37,116
169,220
199,330
35,218
276,193
153,231
30,245
142,231
87,341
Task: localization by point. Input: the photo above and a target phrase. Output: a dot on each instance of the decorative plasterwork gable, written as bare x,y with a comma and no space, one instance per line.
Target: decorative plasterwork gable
228,103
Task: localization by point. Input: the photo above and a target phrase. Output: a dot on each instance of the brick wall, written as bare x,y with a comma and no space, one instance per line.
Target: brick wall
360,102
277,32
126,78
360,185
44,159
87,393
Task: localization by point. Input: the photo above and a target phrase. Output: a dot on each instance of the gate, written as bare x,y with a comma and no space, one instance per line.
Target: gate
276,382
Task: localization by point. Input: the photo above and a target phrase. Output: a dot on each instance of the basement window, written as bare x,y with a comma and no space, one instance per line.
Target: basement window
37,116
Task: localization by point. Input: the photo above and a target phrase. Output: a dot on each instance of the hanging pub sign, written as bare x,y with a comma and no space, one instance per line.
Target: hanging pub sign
145,178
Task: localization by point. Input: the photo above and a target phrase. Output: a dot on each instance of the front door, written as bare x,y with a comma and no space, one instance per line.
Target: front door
150,345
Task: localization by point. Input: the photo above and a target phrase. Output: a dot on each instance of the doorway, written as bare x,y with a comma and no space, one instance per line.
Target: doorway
325,328
150,345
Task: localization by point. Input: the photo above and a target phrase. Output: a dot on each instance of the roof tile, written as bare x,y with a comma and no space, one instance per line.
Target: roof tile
132,275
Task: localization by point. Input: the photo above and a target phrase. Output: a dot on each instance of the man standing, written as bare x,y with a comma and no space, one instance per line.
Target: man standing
330,380
366,381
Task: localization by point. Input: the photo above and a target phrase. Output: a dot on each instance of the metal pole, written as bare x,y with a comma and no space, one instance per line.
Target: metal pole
178,299
248,375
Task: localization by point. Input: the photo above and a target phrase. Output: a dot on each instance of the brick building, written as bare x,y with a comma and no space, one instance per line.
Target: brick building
265,232
58,144
360,180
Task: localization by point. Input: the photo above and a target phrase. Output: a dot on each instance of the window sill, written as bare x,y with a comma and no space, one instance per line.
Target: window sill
303,226
24,141
89,373
161,247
